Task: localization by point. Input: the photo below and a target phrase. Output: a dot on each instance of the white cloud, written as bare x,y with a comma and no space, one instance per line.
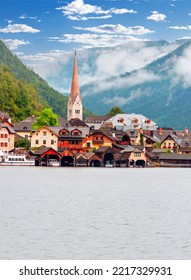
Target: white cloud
78,10
25,16
18,28
122,11
105,62
176,27
78,17
13,44
182,68
156,16
137,78
95,40
117,29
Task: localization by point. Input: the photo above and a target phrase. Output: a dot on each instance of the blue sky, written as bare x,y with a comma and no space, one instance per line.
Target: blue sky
31,27
44,34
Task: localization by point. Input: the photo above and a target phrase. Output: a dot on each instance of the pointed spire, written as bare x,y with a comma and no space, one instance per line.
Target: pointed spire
75,90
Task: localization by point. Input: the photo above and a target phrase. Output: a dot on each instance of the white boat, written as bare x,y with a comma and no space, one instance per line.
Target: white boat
53,162
108,164
17,160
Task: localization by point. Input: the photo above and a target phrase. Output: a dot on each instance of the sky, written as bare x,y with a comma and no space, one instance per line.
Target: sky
44,30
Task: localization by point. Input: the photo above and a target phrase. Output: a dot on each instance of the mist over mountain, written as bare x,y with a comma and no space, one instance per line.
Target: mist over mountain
161,90
99,63
148,77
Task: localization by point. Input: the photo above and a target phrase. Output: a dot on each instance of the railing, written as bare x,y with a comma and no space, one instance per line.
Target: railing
97,141
71,146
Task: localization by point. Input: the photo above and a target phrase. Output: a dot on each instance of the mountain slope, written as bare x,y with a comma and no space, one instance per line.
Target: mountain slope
47,94
17,97
161,90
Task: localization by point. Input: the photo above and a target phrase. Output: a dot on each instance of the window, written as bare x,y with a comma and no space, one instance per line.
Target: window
36,142
44,133
44,142
77,111
26,137
88,145
52,142
137,154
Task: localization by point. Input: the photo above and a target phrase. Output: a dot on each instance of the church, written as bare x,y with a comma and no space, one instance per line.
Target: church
75,107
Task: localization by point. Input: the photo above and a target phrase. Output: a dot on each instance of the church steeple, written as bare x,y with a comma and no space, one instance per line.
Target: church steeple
75,86
74,101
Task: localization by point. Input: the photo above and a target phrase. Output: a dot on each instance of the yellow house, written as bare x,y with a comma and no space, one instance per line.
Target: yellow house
44,136
96,139
169,143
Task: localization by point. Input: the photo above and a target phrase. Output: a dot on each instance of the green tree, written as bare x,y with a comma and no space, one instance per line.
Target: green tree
114,111
24,143
47,118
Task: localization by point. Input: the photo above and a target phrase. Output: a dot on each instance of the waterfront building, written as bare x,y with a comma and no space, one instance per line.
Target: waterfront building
44,136
75,107
72,138
7,137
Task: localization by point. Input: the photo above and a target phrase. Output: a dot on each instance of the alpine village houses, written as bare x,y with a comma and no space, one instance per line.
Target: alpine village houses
124,140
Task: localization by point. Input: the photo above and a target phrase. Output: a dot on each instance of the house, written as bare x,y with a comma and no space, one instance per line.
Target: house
131,121
72,138
24,129
67,157
96,122
4,117
175,160
44,136
137,158
171,142
106,155
43,156
185,146
98,138
7,137
76,122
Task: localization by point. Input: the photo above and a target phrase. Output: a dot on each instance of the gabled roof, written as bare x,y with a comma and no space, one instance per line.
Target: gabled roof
97,119
175,156
43,150
4,116
104,149
10,129
50,128
174,138
77,122
129,120
23,126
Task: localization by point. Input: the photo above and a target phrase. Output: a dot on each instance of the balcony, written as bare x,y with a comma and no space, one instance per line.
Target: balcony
98,142
74,146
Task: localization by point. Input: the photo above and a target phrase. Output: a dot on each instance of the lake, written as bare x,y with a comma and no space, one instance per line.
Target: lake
95,213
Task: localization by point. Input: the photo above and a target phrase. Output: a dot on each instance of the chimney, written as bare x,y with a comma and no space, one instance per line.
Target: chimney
186,130
160,131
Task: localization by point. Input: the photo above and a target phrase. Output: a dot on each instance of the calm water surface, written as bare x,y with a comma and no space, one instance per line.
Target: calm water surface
95,213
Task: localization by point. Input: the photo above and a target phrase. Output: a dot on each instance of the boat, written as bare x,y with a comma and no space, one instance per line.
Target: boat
53,162
108,164
17,160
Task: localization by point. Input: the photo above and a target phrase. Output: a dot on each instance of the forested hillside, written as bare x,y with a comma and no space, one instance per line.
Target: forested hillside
48,96
17,97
